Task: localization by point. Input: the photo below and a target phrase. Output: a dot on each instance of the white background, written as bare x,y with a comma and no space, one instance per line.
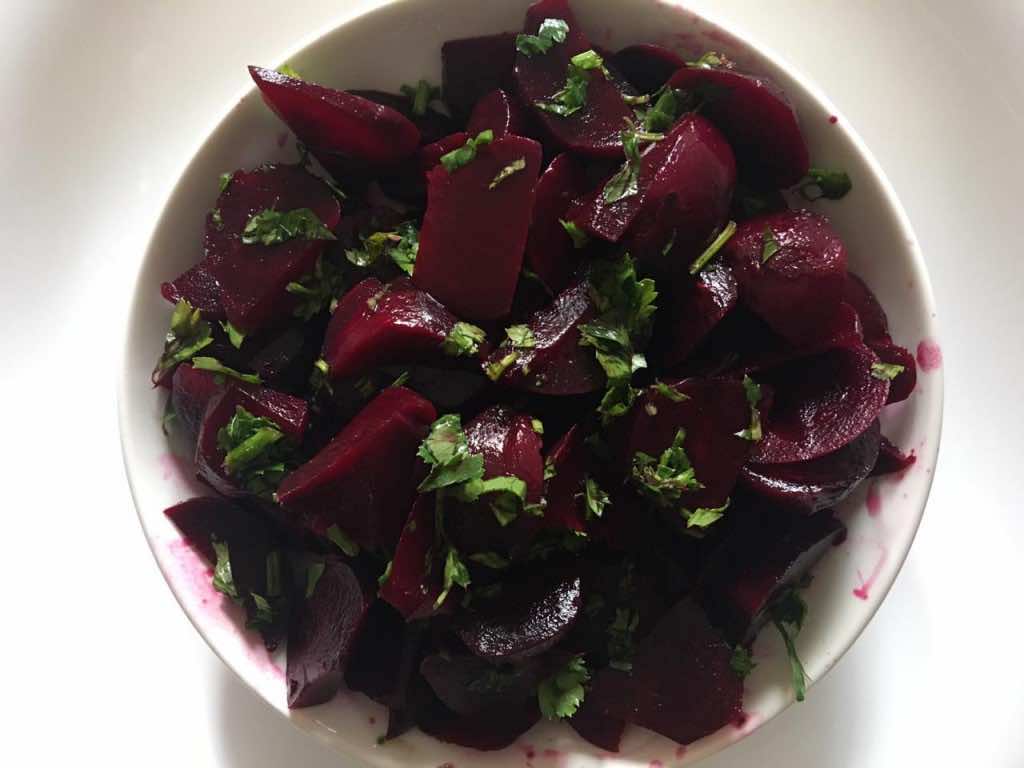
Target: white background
101,105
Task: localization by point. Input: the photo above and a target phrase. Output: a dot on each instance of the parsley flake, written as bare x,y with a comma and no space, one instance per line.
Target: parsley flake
464,155
824,183
579,237
490,560
625,183
342,541
594,498
665,479
421,95
716,245
319,289
255,452
288,71
561,694
742,662
223,580
788,614
224,182
512,168
455,574
702,517
520,337
400,245
886,371
496,370
313,573
551,31
188,334
447,454
214,365
753,392
770,245
669,393
573,95
235,336
464,340
271,227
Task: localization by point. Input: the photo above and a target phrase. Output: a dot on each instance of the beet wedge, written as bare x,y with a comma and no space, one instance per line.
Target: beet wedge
253,278
412,586
646,66
593,129
699,305
341,130
475,228
551,253
499,112
432,124
791,267
324,627
809,486
396,324
681,684
555,364
903,383
475,66
601,731
363,480
198,287
872,317
487,730
467,685
756,118
891,459
821,404
192,389
755,566
568,460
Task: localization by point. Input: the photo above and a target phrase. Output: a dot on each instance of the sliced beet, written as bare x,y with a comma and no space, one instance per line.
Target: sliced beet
842,329
467,685
821,404
872,316
413,586
568,460
324,627
473,235
385,656
432,124
486,730
201,517
891,459
699,305
681,684
191,391
556,364
341,130
363,480
601,731
290,414
397,324
713,411
198,287
254,278
550,252
475,66
593,130
801,285
808,486
528,619
752,568
647,66
499,112
757,119
430,154
903,384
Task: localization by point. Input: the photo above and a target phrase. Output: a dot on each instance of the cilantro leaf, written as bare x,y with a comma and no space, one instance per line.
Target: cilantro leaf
716,245
263,613
579,237
491,560
512,168
668,106
507,495
573,95
464,340
455,574
317,290
886,371
742,662
235,336
497,369
421,95
188,334
223,581
702,517
288,71
447,454
520,337
549,469
710,60
313,573
400,245
665,479
788,614
753,391
770,245
214,365
255,451
824,183
669,393
342,541
538,426
385,574
621,645
551,31
270,227
561,694
464,155
594,498
224,182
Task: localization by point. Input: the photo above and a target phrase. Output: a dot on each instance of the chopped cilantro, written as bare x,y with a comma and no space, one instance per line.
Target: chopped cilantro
320,377
579,237
716,245
224,182
214,365
255,451
313,573
742,662
512,168
822,182
702,517
551,31
620,637
217,218
506,495
549,469
319,289
342,541
401,380
270,227
464,155
625,182
770,245
385,574
288,71
753,391
665,479
421,95
667,107
223,581
188,334
497,369
235,336
455,574
561,694
594,498
520,337
573,95
709,60
446,453
490,560
788,614
400,245
538,426
886,371
669,393
464,340
262,614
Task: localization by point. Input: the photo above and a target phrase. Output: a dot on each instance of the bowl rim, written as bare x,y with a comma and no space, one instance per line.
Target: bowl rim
933,417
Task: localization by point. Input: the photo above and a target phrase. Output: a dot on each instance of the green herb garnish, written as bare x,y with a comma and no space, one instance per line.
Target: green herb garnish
594,499
400,245
561,694
664,480
188,334
742,662
753,392
788,614
520,337
886,371
621,646
824,183
256,452
625,183
551,31
447,454
514,167
214,365
223,581
702,517
490,560
455,574
573,95
420,95
769,247
716,245
319,289
669,393
496,370
464,155
271,227
235,336
342,541
579,237
313,573
464,340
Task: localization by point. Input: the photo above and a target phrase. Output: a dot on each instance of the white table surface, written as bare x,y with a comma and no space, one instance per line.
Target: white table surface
102,104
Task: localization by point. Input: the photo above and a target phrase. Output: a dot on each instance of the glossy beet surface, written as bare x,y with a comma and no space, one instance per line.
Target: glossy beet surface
413,586
891,459
199,287
499,112
550,251
363,480
472,67
700,304
473,235
191,391
753,113
467,685
568,460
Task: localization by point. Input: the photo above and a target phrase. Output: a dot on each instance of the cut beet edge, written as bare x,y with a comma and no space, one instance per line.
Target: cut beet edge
550,251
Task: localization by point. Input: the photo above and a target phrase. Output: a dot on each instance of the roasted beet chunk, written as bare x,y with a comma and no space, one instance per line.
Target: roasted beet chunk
342,131
198,287
363,481
486,730
899,364
601,731
755,565
755,116
808,486
324,627
467,685
594,128
568,460
681,684
791,267
821,404
253,277
431,124
872,316
475,66
475,227
191,391
647,66
891,459
389,324
699,304
413,586
550,251
527,620
555,364
499,112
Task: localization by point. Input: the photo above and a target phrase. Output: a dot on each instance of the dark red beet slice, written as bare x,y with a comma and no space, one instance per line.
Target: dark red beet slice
529,619
808,486
712,413
842,329
432,125
412,587
903,384
430,154
594,129
475,66
191,391
891,459
799,287
751,569
647,66
681,685
601,731
872,316
254,278
757,119
821,404
568,459
467,685
473,236
385,656
324,627
498,112
199,287
699,305
291,414
487,730
287,356
557,364
363,481
340,129
398,323
550,252
201,517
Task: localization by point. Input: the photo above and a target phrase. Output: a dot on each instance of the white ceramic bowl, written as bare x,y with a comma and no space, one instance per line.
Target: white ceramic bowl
400,42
